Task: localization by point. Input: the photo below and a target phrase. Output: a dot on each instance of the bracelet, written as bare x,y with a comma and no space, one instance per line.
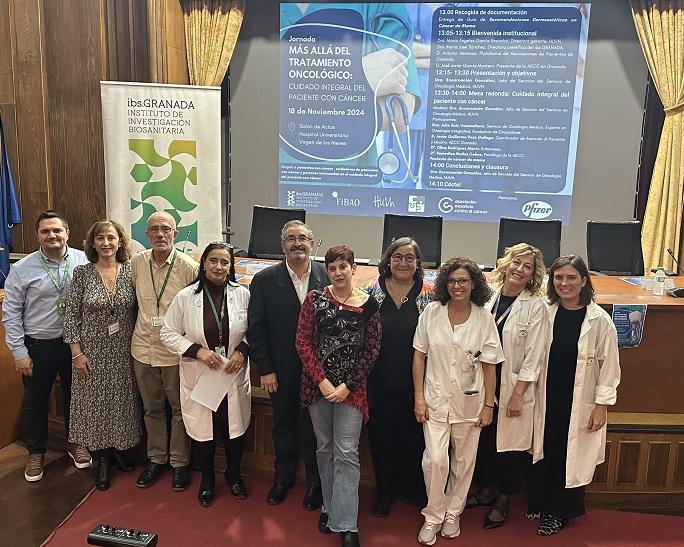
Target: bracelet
77,355
489,406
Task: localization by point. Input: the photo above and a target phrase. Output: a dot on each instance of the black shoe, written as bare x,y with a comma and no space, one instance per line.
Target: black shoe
276,494
350,539
550,525
313,497
415,500
102,481
181,478
120,461
238,490
383,504
490,524
205,496
323,524
150,475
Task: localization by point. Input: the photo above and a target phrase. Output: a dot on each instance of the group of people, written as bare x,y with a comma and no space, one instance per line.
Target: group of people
470,388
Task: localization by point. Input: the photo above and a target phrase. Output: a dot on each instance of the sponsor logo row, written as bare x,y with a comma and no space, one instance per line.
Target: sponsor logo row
535,209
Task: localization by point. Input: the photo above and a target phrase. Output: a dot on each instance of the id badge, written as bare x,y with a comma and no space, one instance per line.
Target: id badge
221,350
158,321
113,328
61,306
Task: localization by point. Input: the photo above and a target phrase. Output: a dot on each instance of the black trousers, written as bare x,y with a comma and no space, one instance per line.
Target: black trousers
293,438
547,492
396,443
205,450
50,358
506,470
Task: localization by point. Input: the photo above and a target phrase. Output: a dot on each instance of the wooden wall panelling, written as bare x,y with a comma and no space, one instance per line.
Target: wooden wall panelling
32,132
679,469
175,51
77,161
657,467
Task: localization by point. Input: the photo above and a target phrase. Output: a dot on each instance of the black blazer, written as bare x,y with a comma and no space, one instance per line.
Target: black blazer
272,322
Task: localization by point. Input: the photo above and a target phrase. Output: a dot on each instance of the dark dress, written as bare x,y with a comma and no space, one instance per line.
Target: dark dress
547,491
505,469
395,437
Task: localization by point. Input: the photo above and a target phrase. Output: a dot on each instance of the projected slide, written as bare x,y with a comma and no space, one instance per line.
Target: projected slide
466,110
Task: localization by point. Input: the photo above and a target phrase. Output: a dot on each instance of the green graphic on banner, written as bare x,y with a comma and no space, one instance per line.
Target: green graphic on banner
171,188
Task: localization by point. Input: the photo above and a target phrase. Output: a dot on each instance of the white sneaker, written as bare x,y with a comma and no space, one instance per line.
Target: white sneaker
428,533
451,527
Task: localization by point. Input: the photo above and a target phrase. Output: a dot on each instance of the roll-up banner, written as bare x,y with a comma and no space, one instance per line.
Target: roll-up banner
162,146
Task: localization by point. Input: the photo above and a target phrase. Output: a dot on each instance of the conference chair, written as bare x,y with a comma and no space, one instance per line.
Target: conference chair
614,248
545,235
427,231
267,223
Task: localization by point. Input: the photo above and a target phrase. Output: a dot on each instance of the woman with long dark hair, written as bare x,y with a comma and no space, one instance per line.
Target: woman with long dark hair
206,325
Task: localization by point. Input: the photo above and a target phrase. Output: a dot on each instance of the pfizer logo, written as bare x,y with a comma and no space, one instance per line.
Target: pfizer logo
536,209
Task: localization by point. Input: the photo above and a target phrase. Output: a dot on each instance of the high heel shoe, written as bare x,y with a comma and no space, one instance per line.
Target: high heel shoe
102,481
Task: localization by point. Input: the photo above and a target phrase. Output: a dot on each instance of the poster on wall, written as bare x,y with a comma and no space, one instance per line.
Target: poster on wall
461,109
162,150
629,320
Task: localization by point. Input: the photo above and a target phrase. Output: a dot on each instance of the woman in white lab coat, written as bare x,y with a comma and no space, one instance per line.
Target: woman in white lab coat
456,349
521,319
206,325
573,394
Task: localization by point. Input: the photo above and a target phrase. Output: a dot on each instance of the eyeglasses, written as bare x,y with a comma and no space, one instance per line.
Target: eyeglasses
398,258
463,282
162,229
295,239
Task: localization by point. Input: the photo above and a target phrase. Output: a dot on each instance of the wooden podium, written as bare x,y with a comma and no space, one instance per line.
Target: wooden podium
11,391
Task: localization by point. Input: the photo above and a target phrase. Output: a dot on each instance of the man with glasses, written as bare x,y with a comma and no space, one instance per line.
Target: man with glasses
36,293
276,297
158,274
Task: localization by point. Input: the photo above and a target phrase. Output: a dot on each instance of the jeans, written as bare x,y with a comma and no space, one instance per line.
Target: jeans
50,358
338,427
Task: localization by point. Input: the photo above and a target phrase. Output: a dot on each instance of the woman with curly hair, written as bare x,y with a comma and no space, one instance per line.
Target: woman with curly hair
520,315
456,350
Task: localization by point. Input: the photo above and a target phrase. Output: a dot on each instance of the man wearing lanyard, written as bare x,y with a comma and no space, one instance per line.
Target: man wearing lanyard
158,274
276,295
33,313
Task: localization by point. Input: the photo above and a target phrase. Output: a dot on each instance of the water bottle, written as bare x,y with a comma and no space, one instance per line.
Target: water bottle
659,286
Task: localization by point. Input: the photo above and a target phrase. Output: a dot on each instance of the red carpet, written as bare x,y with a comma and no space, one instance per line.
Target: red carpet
179,521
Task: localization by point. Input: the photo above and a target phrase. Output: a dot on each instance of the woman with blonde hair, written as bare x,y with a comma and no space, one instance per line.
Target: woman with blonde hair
520,316
98,325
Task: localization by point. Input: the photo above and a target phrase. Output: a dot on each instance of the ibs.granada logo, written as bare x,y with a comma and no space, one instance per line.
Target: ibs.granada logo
537,209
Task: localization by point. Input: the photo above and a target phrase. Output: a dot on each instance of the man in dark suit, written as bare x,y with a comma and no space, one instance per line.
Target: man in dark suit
276,297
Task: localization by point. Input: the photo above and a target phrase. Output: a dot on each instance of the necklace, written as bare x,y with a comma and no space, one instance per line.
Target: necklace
394,293
342,301
108,276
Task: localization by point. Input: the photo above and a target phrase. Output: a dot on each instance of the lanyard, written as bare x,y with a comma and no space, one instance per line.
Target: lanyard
58,283
218,318
166,279
504,314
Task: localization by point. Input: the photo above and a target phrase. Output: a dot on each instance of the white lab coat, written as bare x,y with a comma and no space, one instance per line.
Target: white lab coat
597,377
184,326
524,342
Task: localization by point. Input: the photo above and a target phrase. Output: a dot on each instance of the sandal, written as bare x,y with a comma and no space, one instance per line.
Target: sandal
529,515
490,524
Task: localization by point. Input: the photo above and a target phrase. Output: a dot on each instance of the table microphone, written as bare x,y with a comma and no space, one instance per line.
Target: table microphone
679,270
318,246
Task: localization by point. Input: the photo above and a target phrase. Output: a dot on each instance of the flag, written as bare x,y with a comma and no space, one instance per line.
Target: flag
10,213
